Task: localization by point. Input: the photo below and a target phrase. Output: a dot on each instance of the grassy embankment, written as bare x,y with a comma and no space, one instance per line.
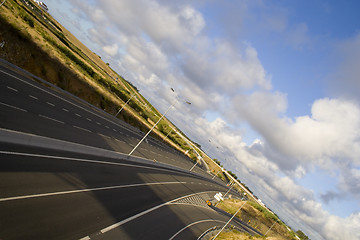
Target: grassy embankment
37,43
259,218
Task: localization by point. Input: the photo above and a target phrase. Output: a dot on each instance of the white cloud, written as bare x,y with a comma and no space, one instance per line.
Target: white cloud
339,228
112,50
331,132
163,45
299,172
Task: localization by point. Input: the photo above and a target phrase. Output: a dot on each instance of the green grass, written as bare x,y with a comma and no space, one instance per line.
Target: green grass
267,214
55,39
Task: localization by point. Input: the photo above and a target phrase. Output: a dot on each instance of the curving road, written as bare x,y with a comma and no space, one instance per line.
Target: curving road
28,106
70,192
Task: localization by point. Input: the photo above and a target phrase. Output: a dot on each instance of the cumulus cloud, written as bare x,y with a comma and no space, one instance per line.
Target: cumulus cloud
112,50
331,132
328,138
167,36
164,45
339,228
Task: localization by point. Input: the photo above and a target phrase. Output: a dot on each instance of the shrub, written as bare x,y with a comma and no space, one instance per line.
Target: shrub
28,20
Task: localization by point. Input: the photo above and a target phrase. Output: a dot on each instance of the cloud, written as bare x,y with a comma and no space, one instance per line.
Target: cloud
350,181
225,68
165,45
331,132
330,196
112,50
298,36
345,80
168,44
339,228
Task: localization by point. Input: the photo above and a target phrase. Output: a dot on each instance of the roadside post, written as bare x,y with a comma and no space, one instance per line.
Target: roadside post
172,105
125,104
228,221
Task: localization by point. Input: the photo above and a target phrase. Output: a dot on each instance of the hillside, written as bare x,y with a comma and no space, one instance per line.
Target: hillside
36,42
31,39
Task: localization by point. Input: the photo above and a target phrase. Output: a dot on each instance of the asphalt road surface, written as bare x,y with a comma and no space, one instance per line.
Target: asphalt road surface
28,106
63,194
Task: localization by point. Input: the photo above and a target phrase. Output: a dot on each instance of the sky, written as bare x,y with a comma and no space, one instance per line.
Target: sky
273,85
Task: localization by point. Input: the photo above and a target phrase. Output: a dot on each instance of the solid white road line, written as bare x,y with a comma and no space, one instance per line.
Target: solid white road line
13,107
144,212
202,221
86,161
86,190
49,118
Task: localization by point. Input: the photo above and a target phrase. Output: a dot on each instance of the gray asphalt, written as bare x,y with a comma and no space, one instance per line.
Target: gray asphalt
75,215
57,194
27,106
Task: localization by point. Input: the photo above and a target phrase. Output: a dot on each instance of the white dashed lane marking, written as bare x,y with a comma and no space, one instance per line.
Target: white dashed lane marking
49,118
15,90
64,109
104,135
33,97
87,190
51,104
119,140
81,128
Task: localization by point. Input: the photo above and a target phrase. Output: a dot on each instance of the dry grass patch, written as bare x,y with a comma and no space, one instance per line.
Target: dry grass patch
257,217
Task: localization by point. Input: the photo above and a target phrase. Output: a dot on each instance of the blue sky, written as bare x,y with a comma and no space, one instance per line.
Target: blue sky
272,83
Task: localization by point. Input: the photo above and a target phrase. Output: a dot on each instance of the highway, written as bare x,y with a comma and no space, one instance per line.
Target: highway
27,106
74,193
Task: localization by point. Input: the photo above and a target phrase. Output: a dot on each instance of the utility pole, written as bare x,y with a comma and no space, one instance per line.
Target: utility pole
229,189
167,134
125,104
150,130
217,173
154,127
271,227
229,221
